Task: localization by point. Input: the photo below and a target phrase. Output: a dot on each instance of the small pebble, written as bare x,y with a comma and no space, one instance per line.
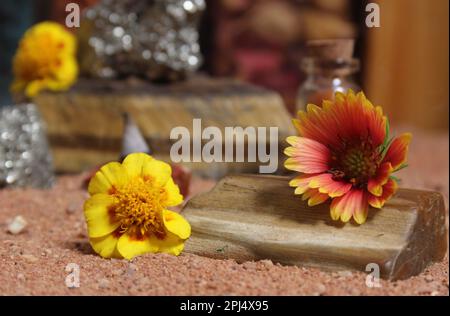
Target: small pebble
429,278
249,265
73,207
17,225
344,274
117,272
20,277
321,288
103,283
267,263
132,268
30,258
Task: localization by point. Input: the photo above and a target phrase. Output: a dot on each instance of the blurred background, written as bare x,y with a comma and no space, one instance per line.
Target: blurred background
404,63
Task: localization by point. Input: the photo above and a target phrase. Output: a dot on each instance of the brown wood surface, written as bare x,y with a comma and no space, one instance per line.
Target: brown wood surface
250,217
85,124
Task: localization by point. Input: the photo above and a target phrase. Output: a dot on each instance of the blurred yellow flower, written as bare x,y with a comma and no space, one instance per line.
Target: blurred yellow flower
127,212
45,59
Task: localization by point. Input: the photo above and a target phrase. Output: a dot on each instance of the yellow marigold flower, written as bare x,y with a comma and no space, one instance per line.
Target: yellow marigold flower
45,59
344,152
127,212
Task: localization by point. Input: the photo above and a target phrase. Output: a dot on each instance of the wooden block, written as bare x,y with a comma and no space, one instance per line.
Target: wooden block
250,217
85,124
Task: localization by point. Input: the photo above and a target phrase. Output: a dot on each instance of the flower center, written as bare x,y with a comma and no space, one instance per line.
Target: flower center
139,208
355,164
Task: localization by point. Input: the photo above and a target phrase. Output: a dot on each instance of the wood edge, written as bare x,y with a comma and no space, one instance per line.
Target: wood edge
437,246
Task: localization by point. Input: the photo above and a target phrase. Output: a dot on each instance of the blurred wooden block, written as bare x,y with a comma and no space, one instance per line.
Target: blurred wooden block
249,217
85,124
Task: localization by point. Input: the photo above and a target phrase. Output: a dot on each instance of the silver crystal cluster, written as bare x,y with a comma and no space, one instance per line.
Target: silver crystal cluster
156,39
25,158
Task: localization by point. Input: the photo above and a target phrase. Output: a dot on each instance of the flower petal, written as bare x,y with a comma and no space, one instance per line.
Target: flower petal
361,208
134,163
389,190
106,246
317,125
99,220
398,150
110,175
336,208
327,185
171,244
350,116
130,247
314,197
301,182
157,170
307,155
34,87
375,185
173,196
352,204
177,224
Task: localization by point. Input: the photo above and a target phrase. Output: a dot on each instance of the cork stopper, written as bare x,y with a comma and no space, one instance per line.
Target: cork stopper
331,49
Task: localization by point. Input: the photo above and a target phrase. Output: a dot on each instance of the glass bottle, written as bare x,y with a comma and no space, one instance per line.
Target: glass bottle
324,78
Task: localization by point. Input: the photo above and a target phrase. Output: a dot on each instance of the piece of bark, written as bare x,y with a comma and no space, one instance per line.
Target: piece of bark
85,124
249,217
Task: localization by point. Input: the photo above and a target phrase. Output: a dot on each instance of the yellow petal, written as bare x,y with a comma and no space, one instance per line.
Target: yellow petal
360,215
170,244
173,196
106,246
66,74
312,108
98,219
317,198
111,174
157,170
99,184
134,163
296,122
130,247
327,104
177,224
292,140
34,87
346,215
301,190
335,211
291,164
290,151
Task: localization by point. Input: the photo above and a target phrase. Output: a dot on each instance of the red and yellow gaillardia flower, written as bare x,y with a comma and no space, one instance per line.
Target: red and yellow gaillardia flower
127,212
45,59
344,153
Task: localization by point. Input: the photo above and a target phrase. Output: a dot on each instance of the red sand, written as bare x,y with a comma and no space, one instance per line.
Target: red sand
34,262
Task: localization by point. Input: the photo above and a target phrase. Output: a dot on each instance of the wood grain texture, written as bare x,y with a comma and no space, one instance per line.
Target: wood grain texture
250,217
85,124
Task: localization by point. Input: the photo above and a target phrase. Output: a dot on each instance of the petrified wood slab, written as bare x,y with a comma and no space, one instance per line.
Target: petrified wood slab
85,124
250,217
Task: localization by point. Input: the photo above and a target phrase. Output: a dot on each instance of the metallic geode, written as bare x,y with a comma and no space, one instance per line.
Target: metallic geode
157,39
25,158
